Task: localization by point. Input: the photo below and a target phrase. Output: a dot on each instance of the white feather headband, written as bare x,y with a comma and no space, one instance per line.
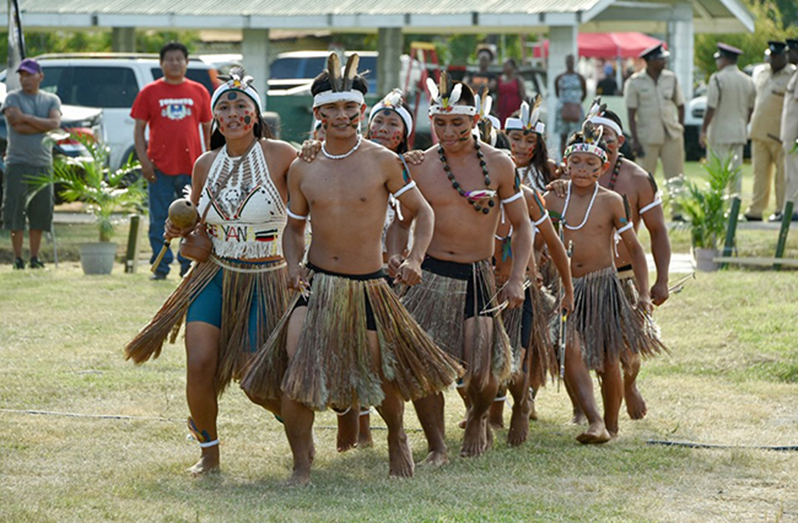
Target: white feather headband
444,102
393,102
242,85
528,121
341,81
596,116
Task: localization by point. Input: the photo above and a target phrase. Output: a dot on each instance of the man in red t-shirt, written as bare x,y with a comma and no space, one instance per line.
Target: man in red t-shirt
175,108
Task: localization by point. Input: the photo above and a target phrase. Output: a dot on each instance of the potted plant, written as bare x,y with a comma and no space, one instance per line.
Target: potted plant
104,194
705,205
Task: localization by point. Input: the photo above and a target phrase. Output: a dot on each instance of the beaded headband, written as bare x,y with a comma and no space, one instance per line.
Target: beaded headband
529,120
237,83
586,148
340,82
444,100
393,102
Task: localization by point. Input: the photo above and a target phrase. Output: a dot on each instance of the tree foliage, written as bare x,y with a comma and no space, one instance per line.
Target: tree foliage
768,25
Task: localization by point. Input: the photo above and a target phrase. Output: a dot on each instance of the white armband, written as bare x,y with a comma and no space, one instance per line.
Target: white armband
650,206
511,199
542,219
295,216
404,189
625,228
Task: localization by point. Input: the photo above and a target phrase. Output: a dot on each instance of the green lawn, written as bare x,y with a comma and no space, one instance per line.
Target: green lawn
731,378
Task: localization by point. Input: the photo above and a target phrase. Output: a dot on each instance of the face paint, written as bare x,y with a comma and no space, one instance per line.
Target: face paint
247,119
464,135
232,95
354,121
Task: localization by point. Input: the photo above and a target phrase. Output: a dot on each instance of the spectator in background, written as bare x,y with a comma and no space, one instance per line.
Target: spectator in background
792,56
485,57
789,134
766,149
730,102
571,90
510,90
175,108
607,86
655,106
30,113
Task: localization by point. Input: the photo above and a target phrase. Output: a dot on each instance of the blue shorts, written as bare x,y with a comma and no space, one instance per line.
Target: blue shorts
207,306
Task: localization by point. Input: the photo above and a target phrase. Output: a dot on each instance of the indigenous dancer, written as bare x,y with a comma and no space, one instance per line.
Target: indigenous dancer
603,324
529,148
452,303
346,339
233,300
631,181
528,327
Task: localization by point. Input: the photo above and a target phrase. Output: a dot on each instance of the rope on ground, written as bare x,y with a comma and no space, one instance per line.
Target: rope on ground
693,445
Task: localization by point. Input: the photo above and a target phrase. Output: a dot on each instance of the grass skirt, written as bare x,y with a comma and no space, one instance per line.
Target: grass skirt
605,324
541,358
333,366
241,284
438,305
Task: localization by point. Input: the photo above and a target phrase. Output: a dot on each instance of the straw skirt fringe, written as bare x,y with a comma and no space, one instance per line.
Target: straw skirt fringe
239,288
333,365
541,359
438,305
605,324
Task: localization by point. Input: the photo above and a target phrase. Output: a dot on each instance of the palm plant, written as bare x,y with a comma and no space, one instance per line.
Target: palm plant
89,180
706,205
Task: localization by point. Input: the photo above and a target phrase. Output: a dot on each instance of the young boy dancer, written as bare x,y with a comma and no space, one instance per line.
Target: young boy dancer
603,325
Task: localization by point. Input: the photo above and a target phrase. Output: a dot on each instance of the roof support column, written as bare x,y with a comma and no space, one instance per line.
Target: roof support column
680,43
255,57
123,39
562,42
389,45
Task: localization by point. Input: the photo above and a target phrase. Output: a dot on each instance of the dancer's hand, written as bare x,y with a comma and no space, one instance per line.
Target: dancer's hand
393,265
310,148
644,303
414,157
513,294
409,273
296,278
558,187
568,301
170,231
659,293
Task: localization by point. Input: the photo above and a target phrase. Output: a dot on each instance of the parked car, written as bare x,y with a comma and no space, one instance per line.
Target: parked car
82,121
111,81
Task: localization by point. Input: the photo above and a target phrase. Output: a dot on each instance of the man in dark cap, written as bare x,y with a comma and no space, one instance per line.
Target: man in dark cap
792,54
789,132
766,149
655,105
30,113
730,102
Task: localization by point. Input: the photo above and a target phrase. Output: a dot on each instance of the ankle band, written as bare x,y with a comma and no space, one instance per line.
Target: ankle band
209,444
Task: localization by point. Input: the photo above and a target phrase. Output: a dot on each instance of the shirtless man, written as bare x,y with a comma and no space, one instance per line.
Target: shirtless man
328,353
466,183
630,180
604,324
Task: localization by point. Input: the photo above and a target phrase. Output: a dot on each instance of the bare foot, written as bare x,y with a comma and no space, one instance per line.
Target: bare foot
519,425
400,458
635,405
436,458
347,430
474,439
299,478
595,433
496,415
208,462
364,433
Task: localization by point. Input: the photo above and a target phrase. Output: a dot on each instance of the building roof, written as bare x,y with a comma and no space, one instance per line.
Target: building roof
366,15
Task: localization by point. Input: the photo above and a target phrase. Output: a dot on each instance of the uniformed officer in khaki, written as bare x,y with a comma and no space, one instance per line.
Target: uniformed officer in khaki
730,102
789,135
766,149
655,105
792,53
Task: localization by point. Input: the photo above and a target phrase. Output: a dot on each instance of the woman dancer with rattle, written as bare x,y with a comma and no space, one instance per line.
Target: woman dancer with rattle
234,299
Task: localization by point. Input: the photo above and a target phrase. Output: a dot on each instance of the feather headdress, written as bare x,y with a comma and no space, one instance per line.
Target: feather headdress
341,82
528,120
445,95
488,124
596,115
393,102
237,80
591,135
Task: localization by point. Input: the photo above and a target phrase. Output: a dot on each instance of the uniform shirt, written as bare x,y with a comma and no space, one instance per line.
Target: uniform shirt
789,115
174,113
732,95
770,88
28,149
657,104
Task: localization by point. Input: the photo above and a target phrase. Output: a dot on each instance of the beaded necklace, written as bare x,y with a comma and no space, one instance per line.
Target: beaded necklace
615,172
460,190
341,156
587,212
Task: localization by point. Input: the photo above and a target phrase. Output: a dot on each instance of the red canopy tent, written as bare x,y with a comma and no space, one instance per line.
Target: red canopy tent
607,45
